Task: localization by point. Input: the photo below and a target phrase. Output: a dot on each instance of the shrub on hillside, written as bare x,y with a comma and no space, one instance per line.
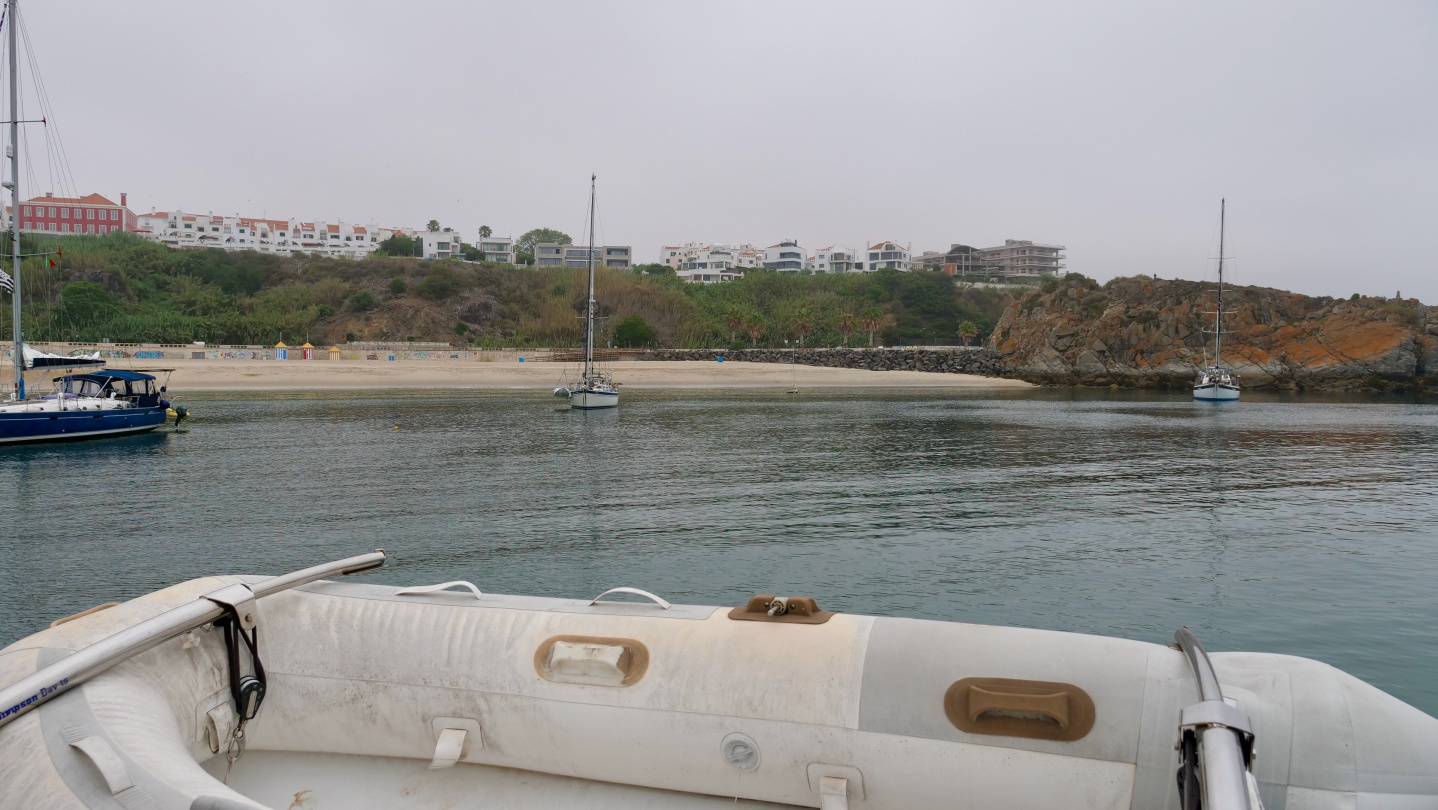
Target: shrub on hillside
633,331
361,301
440,284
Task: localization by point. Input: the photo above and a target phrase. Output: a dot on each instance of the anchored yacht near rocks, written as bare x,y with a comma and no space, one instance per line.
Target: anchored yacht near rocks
1217,383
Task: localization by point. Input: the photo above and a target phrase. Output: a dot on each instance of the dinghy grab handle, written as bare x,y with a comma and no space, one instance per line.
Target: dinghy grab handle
48,682
443,586
658,600
1008,707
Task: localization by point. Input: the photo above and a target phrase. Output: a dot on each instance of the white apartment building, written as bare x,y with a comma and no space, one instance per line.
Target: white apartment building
740,255
282,236
709,264
785,257
553,254
1023,259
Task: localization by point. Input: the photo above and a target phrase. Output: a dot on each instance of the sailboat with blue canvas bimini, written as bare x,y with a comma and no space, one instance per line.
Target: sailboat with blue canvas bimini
84,405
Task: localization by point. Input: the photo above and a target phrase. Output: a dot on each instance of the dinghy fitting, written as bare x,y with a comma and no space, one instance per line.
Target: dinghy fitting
1215,742
49,682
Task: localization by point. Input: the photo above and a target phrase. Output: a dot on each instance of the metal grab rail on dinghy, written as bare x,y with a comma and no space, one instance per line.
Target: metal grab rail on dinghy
35,689
1215,742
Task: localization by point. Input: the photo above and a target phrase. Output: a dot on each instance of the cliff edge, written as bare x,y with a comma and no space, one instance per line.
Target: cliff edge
1147,332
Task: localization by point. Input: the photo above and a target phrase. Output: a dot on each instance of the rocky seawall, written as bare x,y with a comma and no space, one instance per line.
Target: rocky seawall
1152,333
942,359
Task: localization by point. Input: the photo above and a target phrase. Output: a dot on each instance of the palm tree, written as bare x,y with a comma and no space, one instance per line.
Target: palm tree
872,319
733,321
803,325
433,226
485,232
846,326
755,327
967,331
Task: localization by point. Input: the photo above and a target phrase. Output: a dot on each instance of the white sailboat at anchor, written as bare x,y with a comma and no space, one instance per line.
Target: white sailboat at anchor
1217,383
594,389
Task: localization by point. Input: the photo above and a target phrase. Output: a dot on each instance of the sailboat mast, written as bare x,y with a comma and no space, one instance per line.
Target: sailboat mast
1218,318
19,351
589,315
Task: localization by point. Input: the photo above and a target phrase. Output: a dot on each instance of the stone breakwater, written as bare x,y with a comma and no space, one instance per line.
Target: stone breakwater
1146,332
939,359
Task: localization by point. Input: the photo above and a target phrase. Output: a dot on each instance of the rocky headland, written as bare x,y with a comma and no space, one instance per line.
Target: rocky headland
1146,332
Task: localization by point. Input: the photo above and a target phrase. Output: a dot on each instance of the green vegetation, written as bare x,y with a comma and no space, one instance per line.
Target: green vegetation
361,301
126,289
399,245
633,331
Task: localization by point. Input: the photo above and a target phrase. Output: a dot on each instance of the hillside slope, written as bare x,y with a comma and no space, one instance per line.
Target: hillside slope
1141,331
128,290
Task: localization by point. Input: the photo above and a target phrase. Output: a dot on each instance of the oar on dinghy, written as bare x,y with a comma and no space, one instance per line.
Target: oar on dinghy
235,602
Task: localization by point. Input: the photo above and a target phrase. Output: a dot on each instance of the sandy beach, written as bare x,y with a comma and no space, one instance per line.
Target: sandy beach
231,375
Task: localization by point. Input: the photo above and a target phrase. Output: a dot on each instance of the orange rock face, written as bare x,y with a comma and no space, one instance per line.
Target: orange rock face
1141,331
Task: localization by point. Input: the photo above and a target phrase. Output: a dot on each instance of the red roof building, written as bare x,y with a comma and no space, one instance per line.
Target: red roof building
91,214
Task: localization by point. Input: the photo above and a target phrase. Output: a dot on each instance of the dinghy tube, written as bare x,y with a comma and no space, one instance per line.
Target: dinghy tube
439,696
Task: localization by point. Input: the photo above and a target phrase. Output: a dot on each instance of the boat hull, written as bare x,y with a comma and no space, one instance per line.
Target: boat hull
593,400
363,681
1215,392
52,426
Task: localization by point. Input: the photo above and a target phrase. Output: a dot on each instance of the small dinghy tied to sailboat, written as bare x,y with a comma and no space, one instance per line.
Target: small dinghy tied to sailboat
233,692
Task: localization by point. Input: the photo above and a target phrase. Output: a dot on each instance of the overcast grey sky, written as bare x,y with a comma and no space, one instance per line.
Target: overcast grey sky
1112,128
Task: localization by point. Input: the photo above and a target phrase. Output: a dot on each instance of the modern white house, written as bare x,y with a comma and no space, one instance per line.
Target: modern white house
440,244
785,257
678,256
886,255
711,264
836,259
496,249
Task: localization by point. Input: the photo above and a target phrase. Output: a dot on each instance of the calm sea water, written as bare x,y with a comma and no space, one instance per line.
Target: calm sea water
1300,526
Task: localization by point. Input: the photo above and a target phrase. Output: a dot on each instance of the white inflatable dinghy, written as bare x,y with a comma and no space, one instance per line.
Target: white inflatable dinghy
368,696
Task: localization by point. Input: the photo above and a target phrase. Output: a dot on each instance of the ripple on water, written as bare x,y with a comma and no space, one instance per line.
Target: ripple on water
1302,527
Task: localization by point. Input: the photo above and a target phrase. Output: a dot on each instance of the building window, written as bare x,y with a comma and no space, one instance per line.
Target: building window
65,213
188,225
89,213
27,211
